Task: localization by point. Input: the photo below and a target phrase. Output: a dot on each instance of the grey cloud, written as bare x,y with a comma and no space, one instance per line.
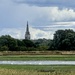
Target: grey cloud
42,3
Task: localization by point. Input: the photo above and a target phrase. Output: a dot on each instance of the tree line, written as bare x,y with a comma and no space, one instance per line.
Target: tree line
62,40
8,43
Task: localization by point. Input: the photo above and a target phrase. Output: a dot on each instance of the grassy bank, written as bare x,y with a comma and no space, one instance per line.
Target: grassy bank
38,57
36,70
37,53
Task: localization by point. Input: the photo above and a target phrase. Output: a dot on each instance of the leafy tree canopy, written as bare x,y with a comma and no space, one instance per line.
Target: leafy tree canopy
64,40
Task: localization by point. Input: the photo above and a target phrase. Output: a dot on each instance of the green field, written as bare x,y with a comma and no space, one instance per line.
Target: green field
36,70
38,57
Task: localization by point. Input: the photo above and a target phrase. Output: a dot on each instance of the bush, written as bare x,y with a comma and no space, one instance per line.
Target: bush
4,48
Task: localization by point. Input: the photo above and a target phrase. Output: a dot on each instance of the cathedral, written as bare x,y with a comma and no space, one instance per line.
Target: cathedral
27,34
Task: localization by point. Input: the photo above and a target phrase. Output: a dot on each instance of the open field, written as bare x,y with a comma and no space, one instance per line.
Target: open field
36,70
38,57
37,53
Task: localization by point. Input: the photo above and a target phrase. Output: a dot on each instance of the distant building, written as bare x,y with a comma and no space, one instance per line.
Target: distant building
27,34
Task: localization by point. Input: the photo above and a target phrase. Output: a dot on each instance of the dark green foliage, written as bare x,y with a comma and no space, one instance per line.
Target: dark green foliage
4,48
42,44
20,48
28,43
51,45
20,43
64,40
8,41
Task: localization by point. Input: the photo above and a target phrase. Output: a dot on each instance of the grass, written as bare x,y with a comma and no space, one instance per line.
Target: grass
38,57
36,70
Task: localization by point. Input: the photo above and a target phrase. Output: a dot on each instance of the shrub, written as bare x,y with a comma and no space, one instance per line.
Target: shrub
4,48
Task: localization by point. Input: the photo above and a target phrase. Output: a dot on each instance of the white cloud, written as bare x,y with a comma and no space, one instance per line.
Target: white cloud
13,18
59,25
37,33
63,15
16,33
16,15
20,33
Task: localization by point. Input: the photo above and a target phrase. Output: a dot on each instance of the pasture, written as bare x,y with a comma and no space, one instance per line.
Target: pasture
37,57
37,70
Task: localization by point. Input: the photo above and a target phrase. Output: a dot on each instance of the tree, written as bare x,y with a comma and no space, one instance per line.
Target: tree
64,40
4,48
51,45
42,44
28,43
58,37
8,41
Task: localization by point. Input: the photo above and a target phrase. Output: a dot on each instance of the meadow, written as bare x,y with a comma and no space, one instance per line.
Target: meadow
37,70
37,57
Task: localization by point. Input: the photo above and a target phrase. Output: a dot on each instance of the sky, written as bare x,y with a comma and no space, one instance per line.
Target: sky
44,17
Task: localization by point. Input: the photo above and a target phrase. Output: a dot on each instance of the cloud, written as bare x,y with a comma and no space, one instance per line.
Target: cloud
36,33
20,33
14,15
52,27
43,21
47,3
16,33
49,15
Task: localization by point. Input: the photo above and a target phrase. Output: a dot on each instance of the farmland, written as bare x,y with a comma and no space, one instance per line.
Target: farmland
36,70
38,57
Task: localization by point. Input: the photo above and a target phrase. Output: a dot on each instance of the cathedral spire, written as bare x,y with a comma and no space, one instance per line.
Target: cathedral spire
27,30
27,34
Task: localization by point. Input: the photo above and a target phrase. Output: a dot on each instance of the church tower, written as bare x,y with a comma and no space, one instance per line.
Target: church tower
27,34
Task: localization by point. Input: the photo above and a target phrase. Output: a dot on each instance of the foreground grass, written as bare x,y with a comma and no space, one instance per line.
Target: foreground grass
36,70
38,57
